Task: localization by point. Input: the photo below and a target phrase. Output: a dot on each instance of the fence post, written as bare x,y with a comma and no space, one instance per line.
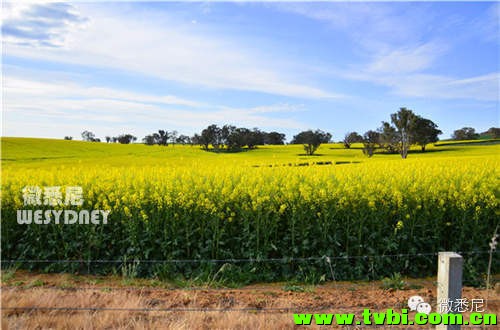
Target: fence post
449,287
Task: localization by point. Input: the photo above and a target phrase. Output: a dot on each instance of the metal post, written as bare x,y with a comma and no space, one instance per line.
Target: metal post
449,282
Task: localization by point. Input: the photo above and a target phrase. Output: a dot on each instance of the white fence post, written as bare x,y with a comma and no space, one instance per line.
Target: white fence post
449,282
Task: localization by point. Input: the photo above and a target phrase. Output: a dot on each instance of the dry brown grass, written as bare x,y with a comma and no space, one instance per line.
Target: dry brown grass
43,290
17,319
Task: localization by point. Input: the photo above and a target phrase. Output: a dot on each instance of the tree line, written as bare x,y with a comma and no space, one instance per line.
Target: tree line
215,138
404,129
90,137
469,133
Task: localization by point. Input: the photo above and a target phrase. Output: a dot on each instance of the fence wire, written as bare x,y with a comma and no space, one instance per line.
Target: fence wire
289,309
250,260
327,259
182,310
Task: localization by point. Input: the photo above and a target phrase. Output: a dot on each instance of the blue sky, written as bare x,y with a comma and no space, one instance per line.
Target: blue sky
135,67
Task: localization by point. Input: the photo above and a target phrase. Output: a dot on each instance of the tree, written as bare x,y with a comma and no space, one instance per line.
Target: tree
126,138
229,136
173,137
465,133
258,137
68,138
404,120
183,139
162,137
88,136
425,132
196,139
108,139
389,138
371,140
149,140
274,138
350,138
232,138
311,140
211,135
254,138
491,133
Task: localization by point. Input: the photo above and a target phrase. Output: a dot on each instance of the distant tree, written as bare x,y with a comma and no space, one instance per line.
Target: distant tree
274,138
108,139
183,139
229,136
162,137
173,136
350,138
258,138
311,140
126,138
195,139
211,135
465,133
404,121
389,138
232,138
243,136
88,136
371,140
204,140
491,133
425,131
252,138
68,138
149,140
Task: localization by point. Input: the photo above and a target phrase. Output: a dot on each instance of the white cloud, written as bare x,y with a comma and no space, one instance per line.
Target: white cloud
159,46
407,59
487,27
395,51
39,25
18,86
107,111
278,108
405,72
372,25
481,88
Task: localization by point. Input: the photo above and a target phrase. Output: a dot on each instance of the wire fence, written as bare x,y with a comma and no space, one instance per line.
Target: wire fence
290,309
287,309
329,260
233,260
183,310
283,287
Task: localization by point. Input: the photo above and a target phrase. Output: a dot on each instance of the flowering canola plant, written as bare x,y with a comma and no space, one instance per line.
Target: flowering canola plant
227,208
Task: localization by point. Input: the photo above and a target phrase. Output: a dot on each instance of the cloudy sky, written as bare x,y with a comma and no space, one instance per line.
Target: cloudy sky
135,67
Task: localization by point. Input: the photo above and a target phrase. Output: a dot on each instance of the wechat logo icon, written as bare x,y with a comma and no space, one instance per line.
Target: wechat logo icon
417,303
